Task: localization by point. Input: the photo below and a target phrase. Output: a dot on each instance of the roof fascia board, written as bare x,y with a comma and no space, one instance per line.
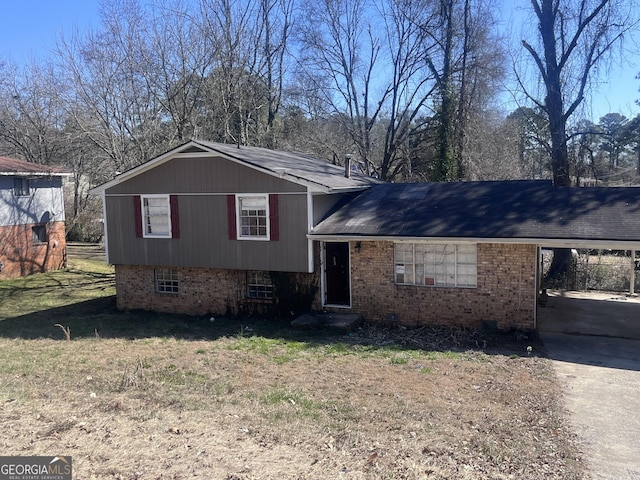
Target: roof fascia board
541,242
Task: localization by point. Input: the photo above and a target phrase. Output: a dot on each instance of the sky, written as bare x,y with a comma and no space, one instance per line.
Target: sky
30,29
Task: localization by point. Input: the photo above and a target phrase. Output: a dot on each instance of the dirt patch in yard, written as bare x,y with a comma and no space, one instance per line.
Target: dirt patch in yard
244,406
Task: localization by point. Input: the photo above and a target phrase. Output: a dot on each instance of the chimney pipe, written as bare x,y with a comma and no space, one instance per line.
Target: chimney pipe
347,165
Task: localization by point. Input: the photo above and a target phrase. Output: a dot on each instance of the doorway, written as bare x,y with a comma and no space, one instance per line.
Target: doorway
337,282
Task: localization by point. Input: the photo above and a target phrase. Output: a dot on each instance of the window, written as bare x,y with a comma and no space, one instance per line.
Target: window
167,280
156,216
436,265
21,187
259,285
39,234
253,216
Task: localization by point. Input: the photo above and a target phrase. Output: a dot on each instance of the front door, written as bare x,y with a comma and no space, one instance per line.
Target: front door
336,274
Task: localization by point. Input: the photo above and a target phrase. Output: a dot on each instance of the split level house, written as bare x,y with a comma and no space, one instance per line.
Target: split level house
32,228
219,229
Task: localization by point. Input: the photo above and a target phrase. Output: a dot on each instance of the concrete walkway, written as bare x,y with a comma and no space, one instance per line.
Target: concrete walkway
601,376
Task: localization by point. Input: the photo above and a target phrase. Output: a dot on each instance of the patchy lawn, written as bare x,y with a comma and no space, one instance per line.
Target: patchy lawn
147,396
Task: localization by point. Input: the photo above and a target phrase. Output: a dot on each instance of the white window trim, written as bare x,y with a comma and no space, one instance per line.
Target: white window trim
239,235
414,284
144,223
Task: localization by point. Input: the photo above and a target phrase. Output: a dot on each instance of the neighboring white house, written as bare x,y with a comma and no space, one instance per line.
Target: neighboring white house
32,231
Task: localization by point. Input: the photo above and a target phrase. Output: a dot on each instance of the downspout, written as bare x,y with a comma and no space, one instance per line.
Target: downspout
538,285
310,253
632,275
104,225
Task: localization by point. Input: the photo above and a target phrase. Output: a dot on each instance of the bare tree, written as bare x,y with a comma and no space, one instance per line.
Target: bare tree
175,62
574,37
272,60
31,113
109,97
365,61
465,59
235,97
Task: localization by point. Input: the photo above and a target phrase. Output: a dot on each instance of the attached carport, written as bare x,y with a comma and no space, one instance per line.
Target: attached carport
592,312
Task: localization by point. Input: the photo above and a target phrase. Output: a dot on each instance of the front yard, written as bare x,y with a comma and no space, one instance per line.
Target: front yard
145,396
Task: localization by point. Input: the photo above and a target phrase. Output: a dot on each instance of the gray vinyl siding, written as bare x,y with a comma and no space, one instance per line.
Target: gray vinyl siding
322,205
43,204
202,186
204,175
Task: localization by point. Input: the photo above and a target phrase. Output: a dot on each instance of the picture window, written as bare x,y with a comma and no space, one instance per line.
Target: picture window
436,265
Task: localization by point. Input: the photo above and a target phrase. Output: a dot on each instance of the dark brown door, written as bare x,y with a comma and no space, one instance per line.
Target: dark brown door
336,271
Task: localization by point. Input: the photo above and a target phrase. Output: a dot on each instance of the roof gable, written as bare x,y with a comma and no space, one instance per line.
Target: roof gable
299,168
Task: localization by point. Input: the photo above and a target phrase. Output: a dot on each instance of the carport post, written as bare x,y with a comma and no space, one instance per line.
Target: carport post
632,276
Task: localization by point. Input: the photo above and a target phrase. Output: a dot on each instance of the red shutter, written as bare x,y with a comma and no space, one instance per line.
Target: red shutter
175,217
137,215
273,217
231,217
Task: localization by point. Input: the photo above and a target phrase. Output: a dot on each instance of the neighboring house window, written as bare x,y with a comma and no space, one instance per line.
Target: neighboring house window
39,234
259,285
156,216
167,280
253,216
436,265
21,187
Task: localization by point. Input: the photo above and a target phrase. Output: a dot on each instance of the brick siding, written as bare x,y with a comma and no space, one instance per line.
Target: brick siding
505,293
202,291
20,256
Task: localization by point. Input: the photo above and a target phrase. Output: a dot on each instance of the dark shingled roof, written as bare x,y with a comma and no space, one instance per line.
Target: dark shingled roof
491,210
295,165
11,166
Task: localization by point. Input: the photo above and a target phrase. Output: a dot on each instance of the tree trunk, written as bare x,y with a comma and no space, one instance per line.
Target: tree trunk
560,266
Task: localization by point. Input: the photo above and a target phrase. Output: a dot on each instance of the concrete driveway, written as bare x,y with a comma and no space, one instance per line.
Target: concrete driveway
591,313
601,378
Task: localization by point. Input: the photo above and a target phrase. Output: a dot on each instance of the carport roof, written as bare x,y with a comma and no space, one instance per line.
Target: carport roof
510,211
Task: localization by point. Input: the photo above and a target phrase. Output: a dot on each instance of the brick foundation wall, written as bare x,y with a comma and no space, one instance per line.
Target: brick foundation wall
505,293
19,256
203,291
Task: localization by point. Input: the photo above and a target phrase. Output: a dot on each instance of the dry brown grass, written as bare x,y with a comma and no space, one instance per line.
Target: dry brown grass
258,408
146,396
